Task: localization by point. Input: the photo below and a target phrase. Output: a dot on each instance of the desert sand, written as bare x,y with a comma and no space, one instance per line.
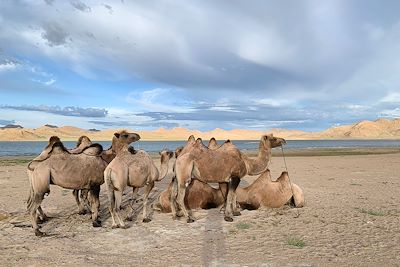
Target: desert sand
378,129
351,218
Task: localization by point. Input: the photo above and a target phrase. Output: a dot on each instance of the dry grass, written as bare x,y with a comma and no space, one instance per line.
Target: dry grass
296,241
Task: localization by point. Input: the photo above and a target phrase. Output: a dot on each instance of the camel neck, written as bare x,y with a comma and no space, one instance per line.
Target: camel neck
259,164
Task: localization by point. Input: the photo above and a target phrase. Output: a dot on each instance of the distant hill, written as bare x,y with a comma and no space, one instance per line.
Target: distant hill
379,129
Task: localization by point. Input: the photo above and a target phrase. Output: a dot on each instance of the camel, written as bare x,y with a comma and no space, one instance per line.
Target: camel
225,165
61,168
135,169
264,192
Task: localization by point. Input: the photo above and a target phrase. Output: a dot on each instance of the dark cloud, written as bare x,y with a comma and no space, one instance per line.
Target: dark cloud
80,6
153,124
54,34
6,122
66,111
49,2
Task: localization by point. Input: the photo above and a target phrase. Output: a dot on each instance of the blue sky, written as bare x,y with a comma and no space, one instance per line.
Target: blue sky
256,65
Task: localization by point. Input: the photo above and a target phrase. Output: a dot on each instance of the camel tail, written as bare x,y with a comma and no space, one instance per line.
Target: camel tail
110,186
29,202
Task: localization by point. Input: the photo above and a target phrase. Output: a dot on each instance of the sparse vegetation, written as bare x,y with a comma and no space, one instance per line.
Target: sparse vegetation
296,241
372,212
13,162
243,225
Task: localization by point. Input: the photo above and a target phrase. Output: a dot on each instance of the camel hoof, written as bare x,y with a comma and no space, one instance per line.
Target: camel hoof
228,219
190,220
82,212
96,223
39,233
123,226
129,218
115,226
146,220
236,213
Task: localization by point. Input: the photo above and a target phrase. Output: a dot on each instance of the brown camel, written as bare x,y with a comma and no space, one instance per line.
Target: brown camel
224,165
136,169
61,168
264,192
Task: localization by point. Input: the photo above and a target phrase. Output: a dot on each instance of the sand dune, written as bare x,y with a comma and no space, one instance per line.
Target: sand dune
379,129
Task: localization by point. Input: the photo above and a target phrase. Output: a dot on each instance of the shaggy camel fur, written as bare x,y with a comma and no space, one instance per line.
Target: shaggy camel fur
224,165
135,169
264,192
61,168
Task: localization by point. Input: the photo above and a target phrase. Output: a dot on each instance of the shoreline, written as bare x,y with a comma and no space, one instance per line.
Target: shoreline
309,152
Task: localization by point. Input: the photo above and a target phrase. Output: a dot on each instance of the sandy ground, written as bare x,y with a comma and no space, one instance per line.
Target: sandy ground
351,218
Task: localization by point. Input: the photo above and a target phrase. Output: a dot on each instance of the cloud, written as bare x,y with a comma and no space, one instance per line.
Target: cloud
6,122
66,111
54,34
338,64
80,6
8,65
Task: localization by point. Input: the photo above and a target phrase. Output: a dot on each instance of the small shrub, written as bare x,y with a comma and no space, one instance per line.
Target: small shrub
243,225
296,242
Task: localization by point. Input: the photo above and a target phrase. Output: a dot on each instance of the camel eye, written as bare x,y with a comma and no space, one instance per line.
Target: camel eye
125,136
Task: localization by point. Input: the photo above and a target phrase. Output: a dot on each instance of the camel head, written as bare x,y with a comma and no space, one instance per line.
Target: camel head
84,141
126,137
178,151
166,155
269,141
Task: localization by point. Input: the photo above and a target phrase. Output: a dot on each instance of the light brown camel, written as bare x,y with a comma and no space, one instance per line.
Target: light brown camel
264,192
224,165
61,168
136,169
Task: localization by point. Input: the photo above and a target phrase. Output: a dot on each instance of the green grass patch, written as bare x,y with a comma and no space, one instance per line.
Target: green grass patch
372,212
243,225
296,241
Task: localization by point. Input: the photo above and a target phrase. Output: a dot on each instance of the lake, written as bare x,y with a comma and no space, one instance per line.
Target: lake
16,148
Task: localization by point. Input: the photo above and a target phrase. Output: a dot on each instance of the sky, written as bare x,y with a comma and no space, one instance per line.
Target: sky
305,65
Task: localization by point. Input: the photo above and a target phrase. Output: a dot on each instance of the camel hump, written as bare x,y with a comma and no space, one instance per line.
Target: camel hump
228,141
191,138
93,150
55,146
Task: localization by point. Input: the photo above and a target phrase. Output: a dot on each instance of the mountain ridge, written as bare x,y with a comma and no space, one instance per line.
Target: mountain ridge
378,129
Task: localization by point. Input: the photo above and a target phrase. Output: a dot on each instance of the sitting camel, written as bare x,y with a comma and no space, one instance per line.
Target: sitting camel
60,167
264,192
225,165
136,169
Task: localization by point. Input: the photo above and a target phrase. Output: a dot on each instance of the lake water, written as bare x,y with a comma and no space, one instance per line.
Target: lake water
34,148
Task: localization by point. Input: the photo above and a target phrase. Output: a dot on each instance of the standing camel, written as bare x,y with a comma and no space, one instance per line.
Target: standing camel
84,171
224,165
133,168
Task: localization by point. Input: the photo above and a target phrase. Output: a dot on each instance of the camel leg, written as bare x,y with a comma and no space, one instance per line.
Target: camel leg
134,197
81,208
85,199
118,200
112,207
223,187
233,184
42,214
181,203
235,205
172,198
95,192
33,206
147,191
135,194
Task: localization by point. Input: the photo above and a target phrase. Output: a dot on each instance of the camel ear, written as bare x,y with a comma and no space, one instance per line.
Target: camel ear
265,137
117,135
